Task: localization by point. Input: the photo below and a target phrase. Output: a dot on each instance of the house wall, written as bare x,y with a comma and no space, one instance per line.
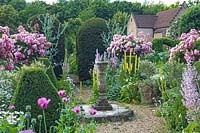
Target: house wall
131,27
158,35
146,31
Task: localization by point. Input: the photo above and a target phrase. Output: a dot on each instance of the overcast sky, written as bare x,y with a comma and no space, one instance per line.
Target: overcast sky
168,2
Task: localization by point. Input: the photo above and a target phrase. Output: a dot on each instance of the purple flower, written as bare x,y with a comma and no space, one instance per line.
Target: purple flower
61,93
65,99
27,131
92,111
11,107
77,109
191,97
43,103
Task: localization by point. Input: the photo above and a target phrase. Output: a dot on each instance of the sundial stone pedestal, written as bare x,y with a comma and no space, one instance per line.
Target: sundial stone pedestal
102,103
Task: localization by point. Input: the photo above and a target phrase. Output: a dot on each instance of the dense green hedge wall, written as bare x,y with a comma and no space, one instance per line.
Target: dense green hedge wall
158,44
89,39
49,71
33,84
58,59
190,20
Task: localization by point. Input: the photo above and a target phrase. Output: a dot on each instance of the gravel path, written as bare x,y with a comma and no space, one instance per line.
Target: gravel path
144,121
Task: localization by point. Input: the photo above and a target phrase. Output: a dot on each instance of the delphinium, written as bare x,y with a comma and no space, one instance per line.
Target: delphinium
191,96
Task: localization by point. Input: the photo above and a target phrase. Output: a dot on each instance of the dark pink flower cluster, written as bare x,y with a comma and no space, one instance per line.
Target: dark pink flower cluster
139,45
20,48
187,46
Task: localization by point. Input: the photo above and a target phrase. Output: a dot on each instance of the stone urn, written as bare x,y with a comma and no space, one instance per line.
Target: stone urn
102,103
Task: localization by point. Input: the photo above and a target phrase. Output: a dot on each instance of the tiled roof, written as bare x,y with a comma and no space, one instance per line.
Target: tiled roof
145,21
166,17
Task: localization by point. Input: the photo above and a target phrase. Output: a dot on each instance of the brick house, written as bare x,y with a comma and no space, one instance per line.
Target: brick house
156,26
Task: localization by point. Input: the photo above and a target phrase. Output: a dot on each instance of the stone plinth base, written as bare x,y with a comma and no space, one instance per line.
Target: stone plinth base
118,113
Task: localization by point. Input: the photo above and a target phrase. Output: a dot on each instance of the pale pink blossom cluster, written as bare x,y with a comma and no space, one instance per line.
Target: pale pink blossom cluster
187,46
140,44
20,48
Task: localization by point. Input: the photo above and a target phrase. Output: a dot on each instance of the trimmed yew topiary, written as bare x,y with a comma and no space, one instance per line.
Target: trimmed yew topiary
88,40
49,71
33,84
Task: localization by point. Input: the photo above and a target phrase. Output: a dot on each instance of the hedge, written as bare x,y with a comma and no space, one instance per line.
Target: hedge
88,40
49,71
33,84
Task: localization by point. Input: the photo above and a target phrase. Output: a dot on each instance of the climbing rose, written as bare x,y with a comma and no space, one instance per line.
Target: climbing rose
43,102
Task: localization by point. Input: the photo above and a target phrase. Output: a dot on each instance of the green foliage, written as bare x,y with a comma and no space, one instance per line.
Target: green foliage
151,8
32,9
130,92
189,20
173,30
49,71
173,111
86,14
146,69
88,40
33,84
18,4
8,16
51,27
6,88
67,85
163,44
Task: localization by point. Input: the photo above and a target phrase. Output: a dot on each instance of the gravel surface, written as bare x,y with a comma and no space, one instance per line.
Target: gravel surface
144,121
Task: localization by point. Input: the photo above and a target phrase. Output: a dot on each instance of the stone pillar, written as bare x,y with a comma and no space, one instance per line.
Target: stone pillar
102,103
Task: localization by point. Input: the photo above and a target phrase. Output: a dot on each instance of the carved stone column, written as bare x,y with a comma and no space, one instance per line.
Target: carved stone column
102,103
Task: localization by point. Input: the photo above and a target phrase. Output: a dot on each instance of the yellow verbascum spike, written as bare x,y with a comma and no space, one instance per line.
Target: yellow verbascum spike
81,90
135,67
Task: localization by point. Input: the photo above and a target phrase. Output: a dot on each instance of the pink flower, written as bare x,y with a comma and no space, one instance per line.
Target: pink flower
27,131
43,103
92,111
77,110
65,99
11,107
61,93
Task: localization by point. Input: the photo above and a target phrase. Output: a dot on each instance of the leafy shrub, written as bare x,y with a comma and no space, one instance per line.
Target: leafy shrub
49,71
162,44
130,92
88,40
146,69
33,84
189,20
6,88
51,27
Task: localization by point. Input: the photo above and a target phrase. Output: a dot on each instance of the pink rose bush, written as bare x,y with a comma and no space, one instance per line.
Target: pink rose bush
187,47
20,48
139,44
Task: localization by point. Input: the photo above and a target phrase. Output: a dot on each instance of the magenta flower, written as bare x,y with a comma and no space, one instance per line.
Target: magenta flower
77,110
11,107
61,93
43,103
93,111
65,99
27,131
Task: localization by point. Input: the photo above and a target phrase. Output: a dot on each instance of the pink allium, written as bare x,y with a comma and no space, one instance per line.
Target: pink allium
92,111
77,109
65,99
11,107
43,103
61,93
